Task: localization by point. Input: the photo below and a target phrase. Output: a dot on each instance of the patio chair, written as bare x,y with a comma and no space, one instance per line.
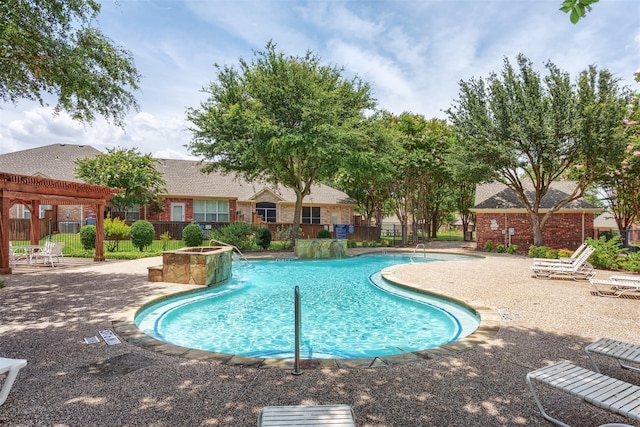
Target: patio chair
564,260
597,389
617,285
619,350
580,269
10,367
14,256
307,415
51,250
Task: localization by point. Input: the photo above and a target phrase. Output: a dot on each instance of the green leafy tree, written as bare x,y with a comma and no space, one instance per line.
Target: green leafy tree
142,234
577,9
286,119
531,131
134,173
192,235
52,47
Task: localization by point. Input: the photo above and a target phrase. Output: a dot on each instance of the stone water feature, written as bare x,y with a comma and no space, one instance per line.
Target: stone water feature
321,248
203,265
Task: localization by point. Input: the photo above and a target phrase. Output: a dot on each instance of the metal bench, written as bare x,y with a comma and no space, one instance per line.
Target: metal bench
600,390
619,350
319,415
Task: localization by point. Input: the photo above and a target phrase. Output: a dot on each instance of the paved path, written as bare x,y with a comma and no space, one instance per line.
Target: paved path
45,316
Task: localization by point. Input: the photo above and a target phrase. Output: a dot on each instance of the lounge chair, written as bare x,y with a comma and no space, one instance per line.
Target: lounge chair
305,415
579,269
600,390
15,256
625,278
51,250
10,367
617,285
564,260
619,350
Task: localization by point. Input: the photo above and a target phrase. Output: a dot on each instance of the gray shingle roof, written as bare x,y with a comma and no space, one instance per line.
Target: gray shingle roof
499,196
183,177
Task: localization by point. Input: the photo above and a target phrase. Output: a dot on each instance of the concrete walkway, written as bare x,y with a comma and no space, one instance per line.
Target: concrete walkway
45,316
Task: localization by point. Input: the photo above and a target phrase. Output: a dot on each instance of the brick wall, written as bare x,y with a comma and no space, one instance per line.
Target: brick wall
562,230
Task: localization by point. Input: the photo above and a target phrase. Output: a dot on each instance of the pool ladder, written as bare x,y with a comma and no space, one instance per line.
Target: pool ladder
424,250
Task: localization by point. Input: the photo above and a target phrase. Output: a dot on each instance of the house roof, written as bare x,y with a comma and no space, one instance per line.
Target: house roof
499,196
184,177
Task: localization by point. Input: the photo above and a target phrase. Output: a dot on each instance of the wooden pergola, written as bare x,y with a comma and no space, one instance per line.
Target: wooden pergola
33,191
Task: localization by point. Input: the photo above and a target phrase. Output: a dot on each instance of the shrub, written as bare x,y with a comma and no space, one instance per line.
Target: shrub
324,234
386,242
607,252
142,234
238,234
263,238
365,244
192,235
488,246
352,243
632,262
512,249
542,252
88,237
501,249
164,238
564,253
115,230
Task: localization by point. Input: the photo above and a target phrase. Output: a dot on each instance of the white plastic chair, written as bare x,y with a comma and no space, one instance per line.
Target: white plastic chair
51,251
10,367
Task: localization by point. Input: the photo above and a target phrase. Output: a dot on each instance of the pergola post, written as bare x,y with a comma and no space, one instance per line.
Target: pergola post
34,232
5,205
99,256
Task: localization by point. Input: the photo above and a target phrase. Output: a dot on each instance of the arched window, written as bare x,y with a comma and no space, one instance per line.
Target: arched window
267,211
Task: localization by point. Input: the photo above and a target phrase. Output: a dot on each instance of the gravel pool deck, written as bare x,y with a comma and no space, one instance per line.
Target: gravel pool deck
46,314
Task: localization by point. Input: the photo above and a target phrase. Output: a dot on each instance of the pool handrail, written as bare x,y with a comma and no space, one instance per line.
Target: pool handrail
424,250
227,244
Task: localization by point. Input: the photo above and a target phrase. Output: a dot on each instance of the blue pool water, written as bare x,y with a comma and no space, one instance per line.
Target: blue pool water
347,309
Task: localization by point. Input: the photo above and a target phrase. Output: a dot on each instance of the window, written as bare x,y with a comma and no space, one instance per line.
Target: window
132,212
267,211
27,214
211,210
310,215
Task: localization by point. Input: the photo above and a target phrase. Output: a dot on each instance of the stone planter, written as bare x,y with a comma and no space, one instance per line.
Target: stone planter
203,265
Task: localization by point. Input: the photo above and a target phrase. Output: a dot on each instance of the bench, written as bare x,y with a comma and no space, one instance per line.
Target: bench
621,351
307,415
600,390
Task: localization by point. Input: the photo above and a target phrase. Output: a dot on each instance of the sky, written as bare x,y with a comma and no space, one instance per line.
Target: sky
413,53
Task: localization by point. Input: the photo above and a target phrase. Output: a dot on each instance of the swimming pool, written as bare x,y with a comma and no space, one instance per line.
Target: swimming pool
348,311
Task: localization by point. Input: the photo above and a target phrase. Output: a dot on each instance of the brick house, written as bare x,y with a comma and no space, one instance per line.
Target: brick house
502,218
192,196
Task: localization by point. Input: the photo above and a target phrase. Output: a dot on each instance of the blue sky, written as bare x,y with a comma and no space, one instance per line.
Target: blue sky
413,53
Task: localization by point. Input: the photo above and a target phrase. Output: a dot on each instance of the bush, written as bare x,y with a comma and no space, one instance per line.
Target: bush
501,249
165,238
565,253
488,246
512,249
632,262
324,234
238,234
352,243
607,252
192,235
542,252
88,237
115,230
142,234
263,238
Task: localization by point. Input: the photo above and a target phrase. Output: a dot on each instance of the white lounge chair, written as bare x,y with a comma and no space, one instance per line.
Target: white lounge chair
600,390
580,269
15,256
10,367
307,415
567,260
51,250
619,350
617,287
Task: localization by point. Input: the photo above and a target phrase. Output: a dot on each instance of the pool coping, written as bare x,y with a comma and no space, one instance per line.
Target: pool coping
490,323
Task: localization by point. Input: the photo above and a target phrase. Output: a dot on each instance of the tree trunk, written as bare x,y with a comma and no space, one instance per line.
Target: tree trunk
537,230
297,213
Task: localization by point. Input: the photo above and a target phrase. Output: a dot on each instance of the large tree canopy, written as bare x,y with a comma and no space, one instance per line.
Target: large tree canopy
286,119
51,47
136,174
532,130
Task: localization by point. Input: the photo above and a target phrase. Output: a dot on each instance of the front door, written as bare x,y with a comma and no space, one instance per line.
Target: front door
177,211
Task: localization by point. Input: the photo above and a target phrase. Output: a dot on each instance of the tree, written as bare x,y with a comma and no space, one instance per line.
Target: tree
285,119
51,46
577,8
531,131
134,173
